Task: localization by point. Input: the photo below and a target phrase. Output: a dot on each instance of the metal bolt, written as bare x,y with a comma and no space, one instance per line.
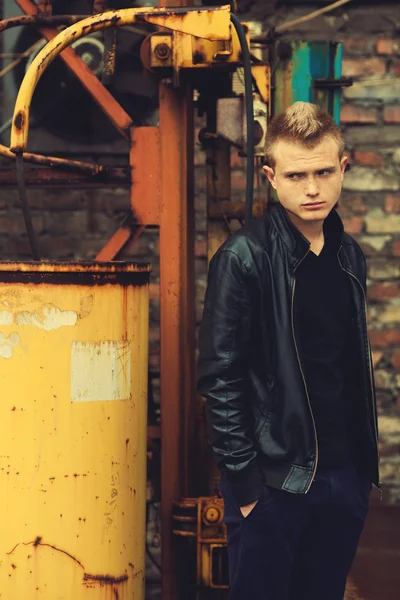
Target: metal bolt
162,51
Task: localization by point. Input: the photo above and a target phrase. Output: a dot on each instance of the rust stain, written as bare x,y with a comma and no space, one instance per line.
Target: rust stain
198,57
19,120
105,579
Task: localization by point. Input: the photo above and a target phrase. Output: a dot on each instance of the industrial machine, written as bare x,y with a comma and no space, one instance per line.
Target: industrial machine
181,59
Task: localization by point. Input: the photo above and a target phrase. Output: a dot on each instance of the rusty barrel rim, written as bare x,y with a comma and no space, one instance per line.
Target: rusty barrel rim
75,272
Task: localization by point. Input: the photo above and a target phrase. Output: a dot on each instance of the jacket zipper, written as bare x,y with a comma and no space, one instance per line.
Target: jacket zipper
369,355
303,376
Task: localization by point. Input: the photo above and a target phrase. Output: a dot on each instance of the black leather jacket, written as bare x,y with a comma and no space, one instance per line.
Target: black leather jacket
261,424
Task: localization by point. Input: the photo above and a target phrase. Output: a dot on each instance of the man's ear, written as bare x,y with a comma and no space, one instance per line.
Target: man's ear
270,174
343,164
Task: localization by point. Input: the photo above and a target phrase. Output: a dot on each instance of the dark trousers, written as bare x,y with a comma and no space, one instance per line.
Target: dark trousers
295,546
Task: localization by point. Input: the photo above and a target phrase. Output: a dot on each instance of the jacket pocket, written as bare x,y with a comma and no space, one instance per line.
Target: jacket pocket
261,424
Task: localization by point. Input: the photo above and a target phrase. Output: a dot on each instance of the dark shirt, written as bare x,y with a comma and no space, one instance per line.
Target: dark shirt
323,313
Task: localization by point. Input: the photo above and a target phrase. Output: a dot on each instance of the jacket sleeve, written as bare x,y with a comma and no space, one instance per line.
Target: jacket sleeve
224,342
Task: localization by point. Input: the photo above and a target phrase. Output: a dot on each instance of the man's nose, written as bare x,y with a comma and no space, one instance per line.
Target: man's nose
311,188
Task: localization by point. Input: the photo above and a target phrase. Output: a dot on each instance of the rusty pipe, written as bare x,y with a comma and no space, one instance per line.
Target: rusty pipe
40,20
53,161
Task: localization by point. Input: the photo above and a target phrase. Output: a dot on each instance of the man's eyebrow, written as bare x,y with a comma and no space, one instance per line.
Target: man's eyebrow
330,169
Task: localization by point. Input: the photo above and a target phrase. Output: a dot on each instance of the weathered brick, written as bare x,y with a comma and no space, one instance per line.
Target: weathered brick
396,359
379,222
358,46
238,181
384,270
376,358
58,200
390,315
357,114
364,67
387,46
383,338
391,114
13,224
374,244
51,248
352,203
392,203
384,403
383,379
396,248
395,67
388,90
371,180
200,247
353,225
369,159
380,292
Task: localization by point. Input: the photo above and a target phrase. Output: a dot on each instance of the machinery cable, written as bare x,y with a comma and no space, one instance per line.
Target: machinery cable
248,87
25,207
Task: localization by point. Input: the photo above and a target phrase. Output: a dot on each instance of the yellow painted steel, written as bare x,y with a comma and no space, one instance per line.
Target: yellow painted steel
204,23
73,372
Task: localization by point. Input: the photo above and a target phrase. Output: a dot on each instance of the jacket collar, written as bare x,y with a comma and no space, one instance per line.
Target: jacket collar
297,244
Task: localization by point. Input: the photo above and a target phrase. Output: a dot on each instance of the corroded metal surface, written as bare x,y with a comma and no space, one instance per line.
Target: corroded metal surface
35,177
39,20
73,367
210,24
53,161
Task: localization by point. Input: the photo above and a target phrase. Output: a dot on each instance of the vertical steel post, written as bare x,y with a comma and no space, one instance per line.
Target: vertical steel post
177,326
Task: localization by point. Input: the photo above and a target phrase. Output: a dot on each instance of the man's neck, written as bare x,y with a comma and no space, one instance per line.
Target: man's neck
312,231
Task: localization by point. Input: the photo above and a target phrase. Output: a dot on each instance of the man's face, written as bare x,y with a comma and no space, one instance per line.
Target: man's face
308,181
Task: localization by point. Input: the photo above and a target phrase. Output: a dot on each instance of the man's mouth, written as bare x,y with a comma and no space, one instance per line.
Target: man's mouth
313,204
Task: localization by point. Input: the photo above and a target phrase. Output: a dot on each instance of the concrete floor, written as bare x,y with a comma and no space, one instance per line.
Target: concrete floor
376,571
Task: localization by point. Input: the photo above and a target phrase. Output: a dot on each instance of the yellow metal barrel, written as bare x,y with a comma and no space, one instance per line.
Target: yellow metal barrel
73,398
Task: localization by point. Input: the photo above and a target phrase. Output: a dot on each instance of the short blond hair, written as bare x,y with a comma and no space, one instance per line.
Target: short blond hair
304,123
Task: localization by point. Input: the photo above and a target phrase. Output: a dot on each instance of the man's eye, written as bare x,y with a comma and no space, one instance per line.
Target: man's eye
293,176
324,173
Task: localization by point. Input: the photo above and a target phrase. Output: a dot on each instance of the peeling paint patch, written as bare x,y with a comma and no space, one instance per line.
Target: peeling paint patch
86,306
51,318
100,371
6,317
7,344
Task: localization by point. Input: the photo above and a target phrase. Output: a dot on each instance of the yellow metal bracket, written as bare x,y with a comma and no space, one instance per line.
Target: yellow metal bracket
183,51
213,25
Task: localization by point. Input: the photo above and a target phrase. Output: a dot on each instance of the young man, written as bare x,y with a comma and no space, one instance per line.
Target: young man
285,368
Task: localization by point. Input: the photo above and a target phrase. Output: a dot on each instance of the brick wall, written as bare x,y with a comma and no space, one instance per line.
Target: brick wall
371,208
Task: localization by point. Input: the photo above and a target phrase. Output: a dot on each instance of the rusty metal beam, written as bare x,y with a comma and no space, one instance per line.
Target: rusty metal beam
177,319
40,20
118,116
34,177
115,244
146,174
